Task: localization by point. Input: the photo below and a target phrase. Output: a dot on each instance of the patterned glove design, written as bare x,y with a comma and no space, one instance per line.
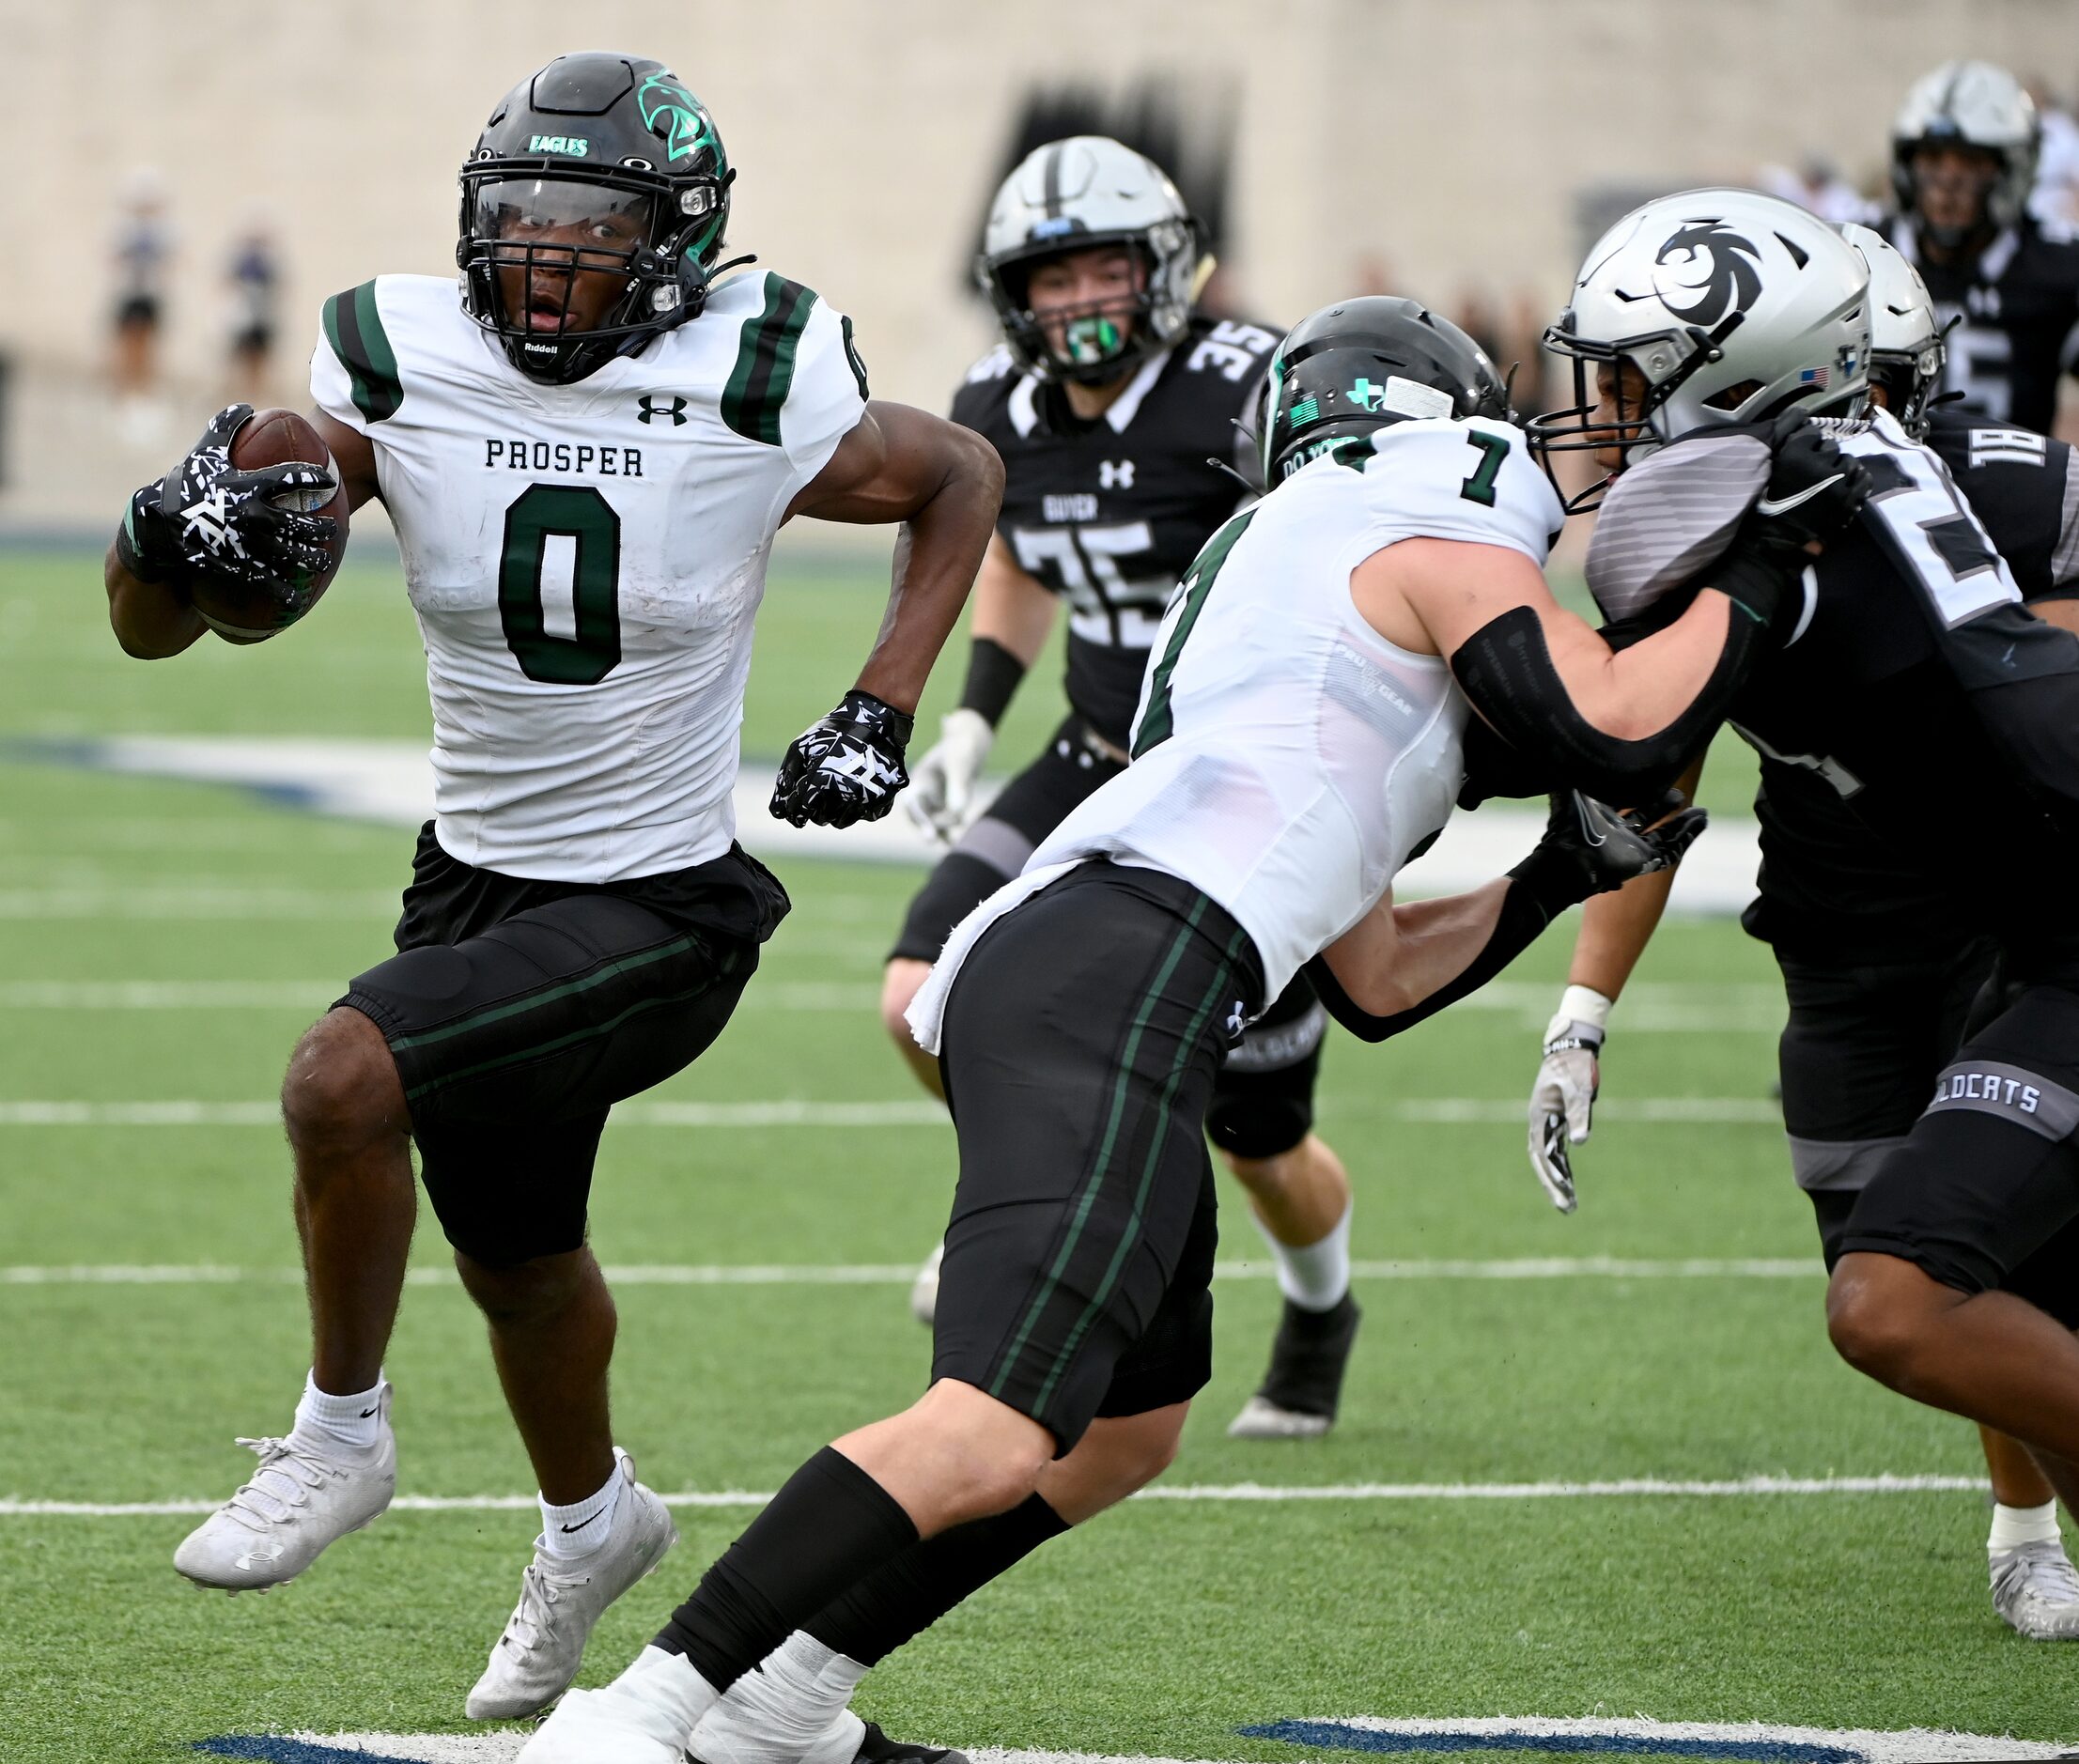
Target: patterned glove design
846,768
208,517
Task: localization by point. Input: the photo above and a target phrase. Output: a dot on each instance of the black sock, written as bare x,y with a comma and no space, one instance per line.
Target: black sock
870,1619
831,1525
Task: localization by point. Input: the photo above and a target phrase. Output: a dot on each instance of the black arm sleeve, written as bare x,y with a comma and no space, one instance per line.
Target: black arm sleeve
1506,670
993,676
1540,888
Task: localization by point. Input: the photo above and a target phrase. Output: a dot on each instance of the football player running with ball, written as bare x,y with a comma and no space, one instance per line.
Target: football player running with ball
586,456
1914,677
1112,402
1298,736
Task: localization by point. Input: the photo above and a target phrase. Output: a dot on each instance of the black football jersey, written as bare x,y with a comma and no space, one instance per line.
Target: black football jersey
1879,755
2015,307
1109,514
2024,487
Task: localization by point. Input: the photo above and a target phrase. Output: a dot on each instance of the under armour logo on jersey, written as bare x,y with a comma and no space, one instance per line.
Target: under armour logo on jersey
1115,474
647,407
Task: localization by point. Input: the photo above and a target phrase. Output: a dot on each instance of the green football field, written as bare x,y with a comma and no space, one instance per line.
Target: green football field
1455,1550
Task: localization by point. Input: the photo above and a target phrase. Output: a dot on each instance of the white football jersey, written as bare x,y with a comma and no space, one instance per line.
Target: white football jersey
1287,759
585,561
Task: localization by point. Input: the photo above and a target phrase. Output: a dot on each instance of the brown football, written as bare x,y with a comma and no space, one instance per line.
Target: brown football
248,615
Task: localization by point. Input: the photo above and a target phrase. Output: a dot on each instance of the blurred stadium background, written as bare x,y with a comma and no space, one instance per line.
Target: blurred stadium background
1461,153
162,943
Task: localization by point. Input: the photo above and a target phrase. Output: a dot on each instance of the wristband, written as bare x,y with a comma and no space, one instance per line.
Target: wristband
1759,579
127,551
993,676
1584,1004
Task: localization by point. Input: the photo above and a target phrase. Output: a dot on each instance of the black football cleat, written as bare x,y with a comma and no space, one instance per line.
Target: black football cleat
875,1747
1299,1393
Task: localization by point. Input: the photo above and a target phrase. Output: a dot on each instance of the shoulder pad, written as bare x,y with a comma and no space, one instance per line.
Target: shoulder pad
355,329
1231,348
1670,516
997,364
759,384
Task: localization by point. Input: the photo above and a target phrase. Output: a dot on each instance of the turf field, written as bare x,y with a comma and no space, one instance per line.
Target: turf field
163,943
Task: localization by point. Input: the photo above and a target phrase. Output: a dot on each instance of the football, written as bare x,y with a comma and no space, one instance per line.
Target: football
241,615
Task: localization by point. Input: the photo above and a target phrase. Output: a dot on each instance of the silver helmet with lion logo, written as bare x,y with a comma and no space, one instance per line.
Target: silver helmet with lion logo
1731,307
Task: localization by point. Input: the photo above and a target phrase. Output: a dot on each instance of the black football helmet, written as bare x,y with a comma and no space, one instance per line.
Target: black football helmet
1362,364
617,147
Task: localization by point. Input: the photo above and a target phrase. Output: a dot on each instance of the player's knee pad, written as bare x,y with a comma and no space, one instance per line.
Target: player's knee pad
958,883
1259,1121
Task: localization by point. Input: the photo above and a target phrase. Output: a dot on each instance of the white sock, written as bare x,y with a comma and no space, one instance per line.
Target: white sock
670,1682
1315,1278
354,1422
788,1711
2013,1525
568,1532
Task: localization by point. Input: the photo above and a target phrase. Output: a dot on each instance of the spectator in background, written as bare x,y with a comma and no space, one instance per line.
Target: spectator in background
2055,199
1816,184
1511,337
143,253
1373,274
254,276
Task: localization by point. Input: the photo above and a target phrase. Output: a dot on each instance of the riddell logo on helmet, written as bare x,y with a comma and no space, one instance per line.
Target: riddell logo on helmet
576,146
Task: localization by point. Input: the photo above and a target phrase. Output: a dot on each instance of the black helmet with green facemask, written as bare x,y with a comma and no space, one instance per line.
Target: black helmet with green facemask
598,164
1354,366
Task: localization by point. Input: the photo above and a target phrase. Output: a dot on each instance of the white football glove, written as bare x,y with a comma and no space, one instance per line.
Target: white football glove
941,788
1562,1101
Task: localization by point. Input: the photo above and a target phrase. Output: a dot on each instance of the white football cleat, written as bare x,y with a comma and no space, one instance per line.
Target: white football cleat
300,1499
731,1733
646,1716
2036,1591
924,1290
532,1662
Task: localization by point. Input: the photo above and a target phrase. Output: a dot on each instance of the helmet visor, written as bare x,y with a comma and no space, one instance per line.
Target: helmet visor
562,251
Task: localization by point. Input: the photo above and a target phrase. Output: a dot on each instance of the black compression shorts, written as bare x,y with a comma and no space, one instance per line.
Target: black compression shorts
1984,1194
519,1012
1081,1037
1263,1103
1858,1058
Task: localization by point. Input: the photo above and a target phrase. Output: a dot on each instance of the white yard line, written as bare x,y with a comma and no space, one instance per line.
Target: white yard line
1248,1492
1633,1738
901,1274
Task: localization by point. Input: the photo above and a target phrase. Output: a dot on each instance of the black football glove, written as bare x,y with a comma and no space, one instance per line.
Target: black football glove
847,767
208,517
1814,490
1590,847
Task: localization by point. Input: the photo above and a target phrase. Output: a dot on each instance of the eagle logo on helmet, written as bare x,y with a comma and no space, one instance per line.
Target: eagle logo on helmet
669,110
1730,279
